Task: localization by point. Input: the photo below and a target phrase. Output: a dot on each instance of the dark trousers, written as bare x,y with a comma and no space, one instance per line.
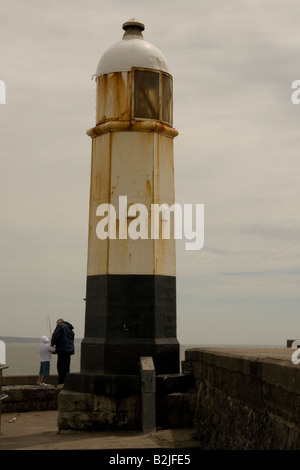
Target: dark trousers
63,365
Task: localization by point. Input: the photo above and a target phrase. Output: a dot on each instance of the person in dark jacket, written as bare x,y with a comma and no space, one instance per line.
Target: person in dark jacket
63,340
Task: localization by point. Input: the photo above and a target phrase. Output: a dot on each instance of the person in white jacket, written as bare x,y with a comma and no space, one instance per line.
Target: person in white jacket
46,351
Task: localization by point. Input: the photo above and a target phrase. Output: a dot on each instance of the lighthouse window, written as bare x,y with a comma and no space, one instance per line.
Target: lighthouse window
146,94
167,98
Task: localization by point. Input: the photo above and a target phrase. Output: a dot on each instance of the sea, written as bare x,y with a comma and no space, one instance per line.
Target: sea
22,356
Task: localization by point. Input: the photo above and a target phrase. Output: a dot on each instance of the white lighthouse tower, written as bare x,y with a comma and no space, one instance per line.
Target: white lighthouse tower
131,283
131,269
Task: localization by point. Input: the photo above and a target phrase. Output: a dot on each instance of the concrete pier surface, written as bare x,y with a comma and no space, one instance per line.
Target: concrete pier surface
38,431
253,353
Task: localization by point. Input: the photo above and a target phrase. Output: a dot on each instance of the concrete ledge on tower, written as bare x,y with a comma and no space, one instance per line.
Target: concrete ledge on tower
103,384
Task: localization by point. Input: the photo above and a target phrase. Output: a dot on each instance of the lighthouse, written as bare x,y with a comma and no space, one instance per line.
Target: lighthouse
131,282
131,267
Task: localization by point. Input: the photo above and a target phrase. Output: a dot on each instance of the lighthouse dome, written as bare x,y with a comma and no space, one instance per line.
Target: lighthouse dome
131,51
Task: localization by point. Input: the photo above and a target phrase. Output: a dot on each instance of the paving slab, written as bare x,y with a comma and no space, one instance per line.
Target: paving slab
38,431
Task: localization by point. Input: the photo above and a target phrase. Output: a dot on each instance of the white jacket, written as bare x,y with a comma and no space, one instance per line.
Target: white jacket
46,349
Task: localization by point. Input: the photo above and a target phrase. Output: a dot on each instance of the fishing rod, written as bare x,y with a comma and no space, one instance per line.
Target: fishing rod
49,323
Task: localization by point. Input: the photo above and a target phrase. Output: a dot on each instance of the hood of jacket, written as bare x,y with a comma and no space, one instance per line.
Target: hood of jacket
68,324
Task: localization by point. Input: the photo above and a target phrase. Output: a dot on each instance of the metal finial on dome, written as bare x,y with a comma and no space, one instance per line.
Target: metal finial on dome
133,23
133,28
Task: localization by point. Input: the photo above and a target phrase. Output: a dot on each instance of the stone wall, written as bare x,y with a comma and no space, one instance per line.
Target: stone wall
246,399
24,398
24,395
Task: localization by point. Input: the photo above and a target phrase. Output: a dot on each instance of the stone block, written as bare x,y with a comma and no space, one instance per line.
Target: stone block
89,412
29,398
176,410
76,421
75,401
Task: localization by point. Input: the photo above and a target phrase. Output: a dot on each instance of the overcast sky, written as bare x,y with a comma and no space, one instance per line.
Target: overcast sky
238,153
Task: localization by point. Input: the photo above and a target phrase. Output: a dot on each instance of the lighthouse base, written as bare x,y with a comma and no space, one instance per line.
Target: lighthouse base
111,402
80,411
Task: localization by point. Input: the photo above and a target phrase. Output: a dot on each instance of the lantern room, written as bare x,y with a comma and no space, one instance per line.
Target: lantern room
133,80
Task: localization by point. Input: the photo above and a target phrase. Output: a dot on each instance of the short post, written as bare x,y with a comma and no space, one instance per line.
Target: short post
148,382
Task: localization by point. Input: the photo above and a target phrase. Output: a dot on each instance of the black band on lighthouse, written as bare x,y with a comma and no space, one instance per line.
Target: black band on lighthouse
127,314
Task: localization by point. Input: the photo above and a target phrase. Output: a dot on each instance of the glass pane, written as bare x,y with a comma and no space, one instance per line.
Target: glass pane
167,99
146,96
